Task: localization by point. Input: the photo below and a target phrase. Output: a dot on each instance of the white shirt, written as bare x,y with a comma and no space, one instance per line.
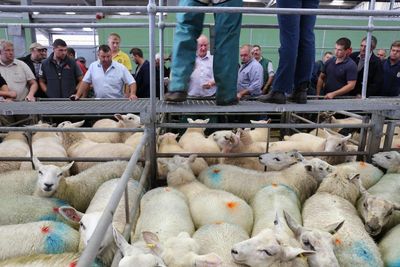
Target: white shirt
202,74
17,74
108,84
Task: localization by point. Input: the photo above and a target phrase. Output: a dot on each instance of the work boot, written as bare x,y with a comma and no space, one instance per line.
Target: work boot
300,93
175,96
273,97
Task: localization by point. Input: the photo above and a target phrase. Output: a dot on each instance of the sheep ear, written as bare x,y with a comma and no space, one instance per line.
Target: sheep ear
175,135
192,158
70,214
253,121
334,228
396,206
268,121
36,163
77,124
326,132
118,117
208,260
121,242
354,177
206,120
67,167
298,156
344,139
189,120
290,253
293,225
152,242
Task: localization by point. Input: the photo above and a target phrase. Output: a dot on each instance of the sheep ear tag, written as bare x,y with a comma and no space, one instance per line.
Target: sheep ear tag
70,214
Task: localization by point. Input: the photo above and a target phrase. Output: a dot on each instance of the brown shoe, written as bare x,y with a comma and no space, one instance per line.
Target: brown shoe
175,96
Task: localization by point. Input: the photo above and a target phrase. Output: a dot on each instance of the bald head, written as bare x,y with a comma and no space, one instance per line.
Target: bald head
202,46
245,53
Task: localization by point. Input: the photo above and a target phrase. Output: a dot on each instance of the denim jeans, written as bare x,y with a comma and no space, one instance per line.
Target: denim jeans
227,34
297,51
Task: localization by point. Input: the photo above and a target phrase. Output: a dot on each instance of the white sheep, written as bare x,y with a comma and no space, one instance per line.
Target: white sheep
13,145
390,248
302,177
46,260
221,205
88,221
37,238
194,141
353,245
219,238
389,160
123,121
167,144
181,251
77,145
379,207
164,211
260,134
277,161
369,174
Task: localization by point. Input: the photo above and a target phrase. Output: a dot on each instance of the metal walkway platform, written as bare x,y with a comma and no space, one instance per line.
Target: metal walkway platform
390,106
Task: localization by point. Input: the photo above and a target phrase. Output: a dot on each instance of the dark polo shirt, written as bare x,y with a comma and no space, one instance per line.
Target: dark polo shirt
337,75
391,79
61,79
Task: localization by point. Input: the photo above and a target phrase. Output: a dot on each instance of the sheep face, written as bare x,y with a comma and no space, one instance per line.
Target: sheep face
179,171
49,177
277,161
263,249
320,241
129,120
68,124
335,143
318,168
376,212
386,160
181,251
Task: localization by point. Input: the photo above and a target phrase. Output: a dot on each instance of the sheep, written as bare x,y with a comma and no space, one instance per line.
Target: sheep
221,205
77,145
389,247
164,211
353,245
181,251
36,238
303,178
219,238
271,247
137,254
89,220
13,145
194,141
369,174
277,161
260,134
124,121
17,209
379,206
389,160
167,144
46,260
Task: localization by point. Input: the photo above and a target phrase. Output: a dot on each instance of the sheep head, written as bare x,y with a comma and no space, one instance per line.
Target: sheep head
128,121
335,143
388,160
197,121
277,161
318,168
179,170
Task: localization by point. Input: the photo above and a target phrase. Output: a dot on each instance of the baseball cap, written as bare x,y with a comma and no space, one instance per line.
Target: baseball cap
37,46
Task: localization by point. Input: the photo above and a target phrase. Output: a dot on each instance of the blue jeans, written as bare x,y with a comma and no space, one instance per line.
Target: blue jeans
297,51
227,34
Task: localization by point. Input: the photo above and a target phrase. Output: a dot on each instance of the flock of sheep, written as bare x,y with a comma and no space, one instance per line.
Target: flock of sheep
326,211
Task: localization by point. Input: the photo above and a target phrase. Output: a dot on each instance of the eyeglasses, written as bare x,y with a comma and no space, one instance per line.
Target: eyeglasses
42,50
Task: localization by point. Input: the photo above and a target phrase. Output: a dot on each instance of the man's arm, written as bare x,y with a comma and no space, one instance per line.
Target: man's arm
33,87
344,90
320,83
132,91
82,91
43,85
6,92
268,84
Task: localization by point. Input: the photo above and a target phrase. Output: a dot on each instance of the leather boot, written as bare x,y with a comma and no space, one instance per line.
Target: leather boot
300,93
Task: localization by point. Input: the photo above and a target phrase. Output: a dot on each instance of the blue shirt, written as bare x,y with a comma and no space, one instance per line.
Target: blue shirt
337,75
250,77
391,79
109,83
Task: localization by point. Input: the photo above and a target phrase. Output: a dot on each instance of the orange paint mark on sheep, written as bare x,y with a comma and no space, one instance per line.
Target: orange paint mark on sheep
274,185
73,264
216,170
45,229
338,242
363,164
56,210
219,222
232,205
167,189
398,146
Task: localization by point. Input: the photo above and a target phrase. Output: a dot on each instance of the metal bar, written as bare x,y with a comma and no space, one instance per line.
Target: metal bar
350,114
390,128
61,159
363,135
239,155
374,138
161,27
302,119
93,246
38,129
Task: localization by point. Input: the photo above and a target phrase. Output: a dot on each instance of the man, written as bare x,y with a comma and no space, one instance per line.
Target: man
250,75
340,73
267,67
107,77
375,72
202,79
71,54
391,72
227,33
59,76
142,73
5,93
166,75
114,41
381,54
34,62
16,73
318,68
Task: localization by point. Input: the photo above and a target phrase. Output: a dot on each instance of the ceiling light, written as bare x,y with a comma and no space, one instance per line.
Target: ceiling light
57,29
70,13
35,13
337,2
124,13
87,29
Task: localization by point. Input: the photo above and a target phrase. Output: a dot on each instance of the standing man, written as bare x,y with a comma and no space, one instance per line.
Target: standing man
296,54
59,76
340,73
107,77
34,62
71,54
250,75
16,73
114,41
391,72
267,67
227,33
142,73
202,79
375,72
319,66
381,54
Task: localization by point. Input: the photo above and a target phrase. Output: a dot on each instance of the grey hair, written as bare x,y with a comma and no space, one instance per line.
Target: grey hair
4,43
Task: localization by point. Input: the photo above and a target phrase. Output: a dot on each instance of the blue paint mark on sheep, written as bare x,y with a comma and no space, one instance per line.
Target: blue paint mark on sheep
395,263
60,202
54,242
215,176
48,217
361,250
